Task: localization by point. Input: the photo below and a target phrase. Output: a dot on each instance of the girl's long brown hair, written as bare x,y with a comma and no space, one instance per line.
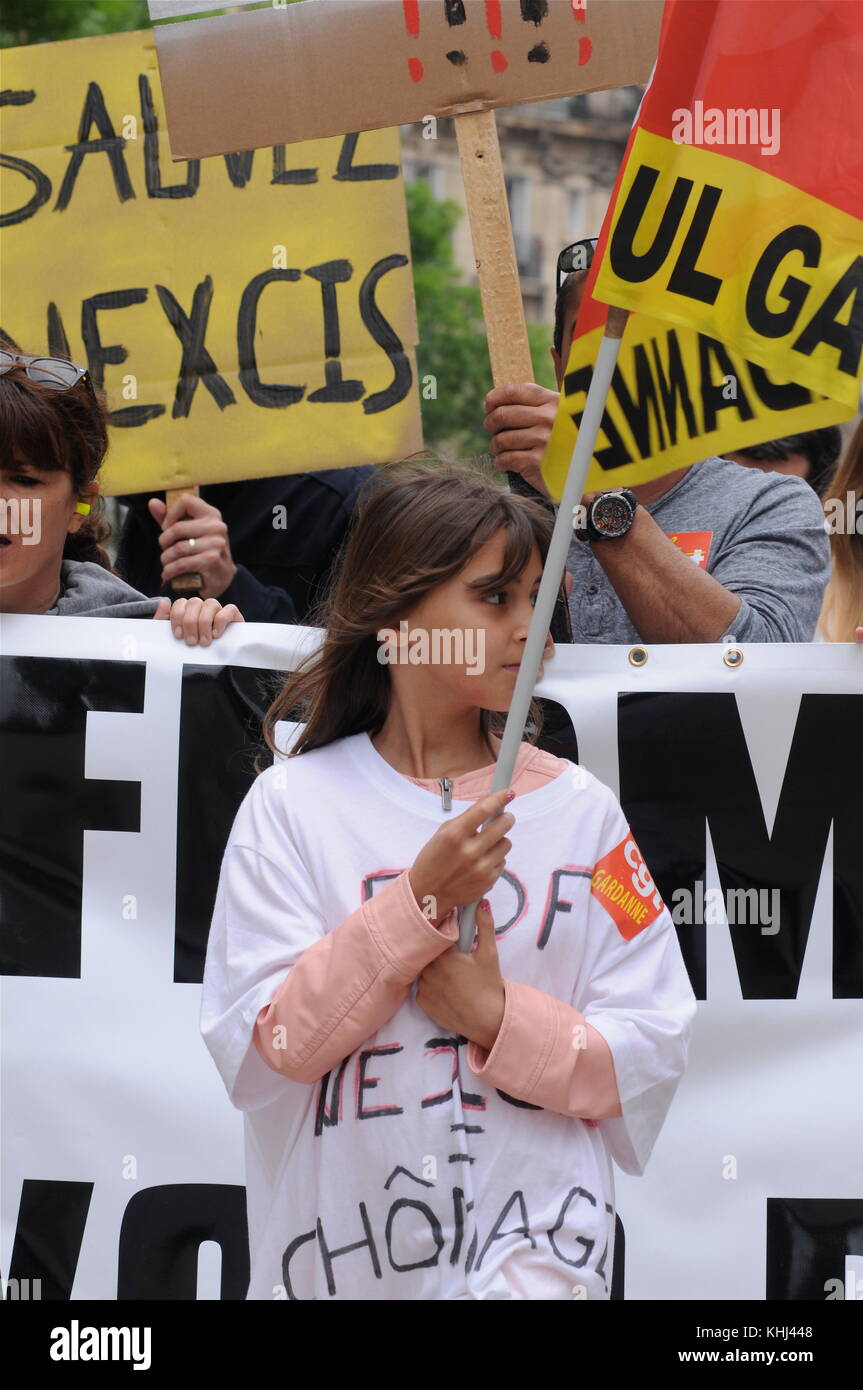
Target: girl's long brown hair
842,610
416,526
65,430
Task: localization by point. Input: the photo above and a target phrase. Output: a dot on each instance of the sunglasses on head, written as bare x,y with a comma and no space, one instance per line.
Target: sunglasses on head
578,256
55,372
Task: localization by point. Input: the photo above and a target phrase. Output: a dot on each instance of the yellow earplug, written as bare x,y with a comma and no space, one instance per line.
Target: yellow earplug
83,508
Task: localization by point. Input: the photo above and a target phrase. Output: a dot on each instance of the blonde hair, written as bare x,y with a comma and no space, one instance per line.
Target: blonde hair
842,610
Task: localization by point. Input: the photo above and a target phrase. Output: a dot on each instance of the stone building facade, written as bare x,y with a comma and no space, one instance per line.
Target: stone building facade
560,160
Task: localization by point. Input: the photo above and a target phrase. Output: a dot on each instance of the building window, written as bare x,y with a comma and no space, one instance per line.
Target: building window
575,214
630,100
528,248
578,107
518,197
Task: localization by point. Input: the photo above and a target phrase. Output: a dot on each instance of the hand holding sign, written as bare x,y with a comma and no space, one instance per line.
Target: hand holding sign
197,621
194,540
461,862
520,419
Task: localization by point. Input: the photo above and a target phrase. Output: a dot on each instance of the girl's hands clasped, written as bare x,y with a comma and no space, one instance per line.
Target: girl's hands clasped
465,993
461,863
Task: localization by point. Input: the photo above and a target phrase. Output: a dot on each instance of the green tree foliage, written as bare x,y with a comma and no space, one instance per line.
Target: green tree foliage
47,21
452,356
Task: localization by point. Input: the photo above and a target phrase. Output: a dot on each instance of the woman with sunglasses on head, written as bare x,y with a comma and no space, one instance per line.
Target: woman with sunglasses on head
53,439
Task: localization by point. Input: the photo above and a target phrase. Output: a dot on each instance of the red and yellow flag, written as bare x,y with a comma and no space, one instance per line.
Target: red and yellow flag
735,235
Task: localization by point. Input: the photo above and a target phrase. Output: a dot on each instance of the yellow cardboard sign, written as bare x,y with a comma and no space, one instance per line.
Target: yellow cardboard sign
247,315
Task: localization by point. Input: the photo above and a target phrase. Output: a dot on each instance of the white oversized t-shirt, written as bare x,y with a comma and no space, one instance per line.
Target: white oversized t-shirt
401,1174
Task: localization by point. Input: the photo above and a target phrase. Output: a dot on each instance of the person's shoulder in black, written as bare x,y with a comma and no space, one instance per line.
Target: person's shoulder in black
284,534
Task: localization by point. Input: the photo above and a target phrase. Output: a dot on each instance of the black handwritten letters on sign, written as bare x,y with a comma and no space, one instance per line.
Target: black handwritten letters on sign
209,298
98,138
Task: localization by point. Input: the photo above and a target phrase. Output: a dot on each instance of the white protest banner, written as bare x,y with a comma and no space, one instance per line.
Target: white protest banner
125,755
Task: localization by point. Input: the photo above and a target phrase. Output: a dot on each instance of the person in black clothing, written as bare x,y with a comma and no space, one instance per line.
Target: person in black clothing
266,545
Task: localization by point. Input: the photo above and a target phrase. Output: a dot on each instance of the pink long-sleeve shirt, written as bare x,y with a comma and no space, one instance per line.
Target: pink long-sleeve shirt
352,981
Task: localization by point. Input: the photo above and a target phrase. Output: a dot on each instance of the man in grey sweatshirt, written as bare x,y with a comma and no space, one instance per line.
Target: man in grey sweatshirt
714,552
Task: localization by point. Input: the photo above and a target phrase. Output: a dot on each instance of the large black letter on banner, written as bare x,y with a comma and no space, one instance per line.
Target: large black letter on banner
617,455
624,262
686,279
712,393
846,338
674,388
671,784
162,1231
557,735
809,1240
48,1234
47,802
773,323
638,412
220,737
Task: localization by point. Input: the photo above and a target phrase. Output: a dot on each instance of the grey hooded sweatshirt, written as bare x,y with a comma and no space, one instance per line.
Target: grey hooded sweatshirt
89,591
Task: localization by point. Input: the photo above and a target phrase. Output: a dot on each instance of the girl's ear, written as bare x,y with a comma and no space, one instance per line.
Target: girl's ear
82,508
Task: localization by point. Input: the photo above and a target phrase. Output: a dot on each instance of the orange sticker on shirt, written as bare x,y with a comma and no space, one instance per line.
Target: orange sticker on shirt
623,884
695,544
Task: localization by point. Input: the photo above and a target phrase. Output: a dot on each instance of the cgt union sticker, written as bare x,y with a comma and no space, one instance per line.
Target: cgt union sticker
623,884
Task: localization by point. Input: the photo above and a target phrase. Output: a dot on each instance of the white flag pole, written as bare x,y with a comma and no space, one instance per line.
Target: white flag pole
552,575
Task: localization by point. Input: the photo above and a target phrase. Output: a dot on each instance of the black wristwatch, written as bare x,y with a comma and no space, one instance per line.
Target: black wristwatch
610,515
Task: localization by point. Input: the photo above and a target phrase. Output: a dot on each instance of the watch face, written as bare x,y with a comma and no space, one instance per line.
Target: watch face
611,514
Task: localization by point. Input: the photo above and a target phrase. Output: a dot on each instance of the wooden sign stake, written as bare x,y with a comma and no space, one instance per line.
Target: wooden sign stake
184,583
494,252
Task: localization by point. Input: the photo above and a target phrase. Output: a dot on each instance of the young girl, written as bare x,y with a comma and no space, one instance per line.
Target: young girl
53,439
422,1123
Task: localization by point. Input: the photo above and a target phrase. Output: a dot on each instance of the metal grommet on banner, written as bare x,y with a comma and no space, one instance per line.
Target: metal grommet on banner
637,656
732,656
